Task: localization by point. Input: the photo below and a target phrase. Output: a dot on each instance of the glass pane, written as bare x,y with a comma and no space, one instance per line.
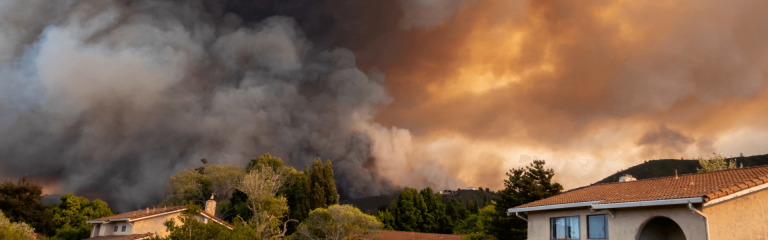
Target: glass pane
560,228
597,227
573,228
552,229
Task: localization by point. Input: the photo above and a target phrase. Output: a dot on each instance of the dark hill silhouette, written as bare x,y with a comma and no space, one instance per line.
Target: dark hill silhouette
372,205
666,167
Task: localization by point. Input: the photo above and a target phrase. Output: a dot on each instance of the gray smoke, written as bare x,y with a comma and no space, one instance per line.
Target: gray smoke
110,98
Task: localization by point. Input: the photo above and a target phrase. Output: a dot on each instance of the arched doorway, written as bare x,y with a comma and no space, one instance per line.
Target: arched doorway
661,228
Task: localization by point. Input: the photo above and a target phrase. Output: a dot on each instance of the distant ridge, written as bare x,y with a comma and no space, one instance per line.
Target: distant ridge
666,167
371,205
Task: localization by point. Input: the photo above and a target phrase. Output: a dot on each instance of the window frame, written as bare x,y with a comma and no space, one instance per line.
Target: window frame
565,218
123,229
115,228
605,226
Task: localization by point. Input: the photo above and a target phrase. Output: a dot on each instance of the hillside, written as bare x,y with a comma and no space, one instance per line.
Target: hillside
371,205
666,167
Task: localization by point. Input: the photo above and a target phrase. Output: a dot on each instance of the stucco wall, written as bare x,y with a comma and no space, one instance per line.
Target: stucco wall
741,218
625,226
154,225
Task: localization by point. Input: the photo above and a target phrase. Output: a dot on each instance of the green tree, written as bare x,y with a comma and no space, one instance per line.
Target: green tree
197,185
406,211
268,209
14,230
523,185
716,162
320,186
70,216
477,225
21,203
417,212
338,222
435,218
387,219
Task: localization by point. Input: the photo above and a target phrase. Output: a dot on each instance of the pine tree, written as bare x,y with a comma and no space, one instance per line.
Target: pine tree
523,185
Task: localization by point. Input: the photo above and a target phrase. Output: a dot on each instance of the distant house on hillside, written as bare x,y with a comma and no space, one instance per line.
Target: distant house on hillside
729,204
144,224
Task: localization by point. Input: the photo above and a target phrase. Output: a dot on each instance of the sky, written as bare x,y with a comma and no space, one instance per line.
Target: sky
109,98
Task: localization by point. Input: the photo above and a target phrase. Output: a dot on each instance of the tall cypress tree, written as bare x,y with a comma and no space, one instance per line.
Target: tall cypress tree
320,186
436,220
331,195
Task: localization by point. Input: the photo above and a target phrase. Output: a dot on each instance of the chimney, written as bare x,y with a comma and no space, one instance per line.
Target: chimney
626,178
210,206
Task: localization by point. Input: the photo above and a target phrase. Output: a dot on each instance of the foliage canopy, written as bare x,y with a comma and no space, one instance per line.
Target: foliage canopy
716,162
522,186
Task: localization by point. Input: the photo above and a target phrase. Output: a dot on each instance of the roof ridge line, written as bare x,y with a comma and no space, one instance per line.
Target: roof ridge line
687,174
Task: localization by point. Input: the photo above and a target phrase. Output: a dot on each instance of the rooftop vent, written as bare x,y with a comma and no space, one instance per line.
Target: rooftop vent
627,178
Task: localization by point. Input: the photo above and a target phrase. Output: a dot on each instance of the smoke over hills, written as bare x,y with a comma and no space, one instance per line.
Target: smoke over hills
109,98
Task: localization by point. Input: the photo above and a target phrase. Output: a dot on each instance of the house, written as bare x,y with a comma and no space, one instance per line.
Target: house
728,204
147,223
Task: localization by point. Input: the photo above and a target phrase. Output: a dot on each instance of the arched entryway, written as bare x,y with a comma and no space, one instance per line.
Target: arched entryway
661,228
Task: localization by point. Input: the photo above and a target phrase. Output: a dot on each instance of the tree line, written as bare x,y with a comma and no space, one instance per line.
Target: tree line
423,211
22,213
267,200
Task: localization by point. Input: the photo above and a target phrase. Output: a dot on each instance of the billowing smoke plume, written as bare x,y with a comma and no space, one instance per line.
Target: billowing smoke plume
112,97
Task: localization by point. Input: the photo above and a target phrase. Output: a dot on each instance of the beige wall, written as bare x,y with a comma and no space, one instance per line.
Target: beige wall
625,226
741,218
155,225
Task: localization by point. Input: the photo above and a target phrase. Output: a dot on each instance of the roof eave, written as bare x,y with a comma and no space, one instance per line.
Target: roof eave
674,201
552,207
594,205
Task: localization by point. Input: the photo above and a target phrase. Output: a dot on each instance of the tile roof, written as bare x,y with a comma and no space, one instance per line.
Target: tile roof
124,237
156,211
141,213
709,186
398,235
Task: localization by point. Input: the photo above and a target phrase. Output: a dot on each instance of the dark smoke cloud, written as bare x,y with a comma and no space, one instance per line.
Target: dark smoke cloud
664,141
112,97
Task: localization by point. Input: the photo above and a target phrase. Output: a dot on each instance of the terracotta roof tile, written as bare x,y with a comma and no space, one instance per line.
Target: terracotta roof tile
141,213
156,211
712,185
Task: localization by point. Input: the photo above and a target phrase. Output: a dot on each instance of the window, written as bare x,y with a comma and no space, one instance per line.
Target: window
598,226
115,228
123,229
564,228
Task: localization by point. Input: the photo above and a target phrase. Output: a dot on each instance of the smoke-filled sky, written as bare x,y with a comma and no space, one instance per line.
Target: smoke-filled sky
109,98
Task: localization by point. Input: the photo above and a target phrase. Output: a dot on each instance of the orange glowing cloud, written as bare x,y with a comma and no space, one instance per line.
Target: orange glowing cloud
616,82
